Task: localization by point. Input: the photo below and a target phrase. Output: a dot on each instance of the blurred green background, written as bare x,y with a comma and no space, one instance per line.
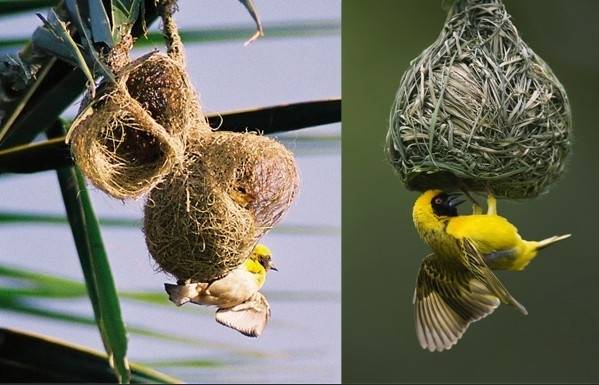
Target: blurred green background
559,340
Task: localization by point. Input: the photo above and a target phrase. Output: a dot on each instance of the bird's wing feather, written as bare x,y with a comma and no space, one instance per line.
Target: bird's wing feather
446,303
476,264
249,318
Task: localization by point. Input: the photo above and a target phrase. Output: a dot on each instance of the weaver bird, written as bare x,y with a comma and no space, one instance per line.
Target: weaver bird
455,285
240,304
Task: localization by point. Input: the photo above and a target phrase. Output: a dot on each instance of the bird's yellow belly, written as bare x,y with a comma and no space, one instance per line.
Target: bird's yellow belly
495,238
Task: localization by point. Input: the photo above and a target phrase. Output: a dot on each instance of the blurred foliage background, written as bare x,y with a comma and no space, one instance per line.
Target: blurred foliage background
559,340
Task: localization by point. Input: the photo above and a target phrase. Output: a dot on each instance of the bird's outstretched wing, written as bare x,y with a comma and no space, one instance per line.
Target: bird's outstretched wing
449,296
446,302
249,318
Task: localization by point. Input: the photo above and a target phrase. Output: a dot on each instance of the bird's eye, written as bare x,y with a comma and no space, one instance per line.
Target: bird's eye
438,201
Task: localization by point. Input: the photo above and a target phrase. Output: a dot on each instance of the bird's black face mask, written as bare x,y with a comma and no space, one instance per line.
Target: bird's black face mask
446,205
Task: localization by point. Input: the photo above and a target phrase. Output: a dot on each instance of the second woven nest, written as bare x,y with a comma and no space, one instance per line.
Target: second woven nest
203,222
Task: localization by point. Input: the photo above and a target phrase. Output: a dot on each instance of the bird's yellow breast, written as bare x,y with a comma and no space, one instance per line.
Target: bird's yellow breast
257,270
489,232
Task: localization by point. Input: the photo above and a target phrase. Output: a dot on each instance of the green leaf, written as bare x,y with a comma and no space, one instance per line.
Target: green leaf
280,118
9,7
100,24
89,52
95,265
251,7
48,40
220,34
190,363
229,33
124,15
38,310
55,38
26,357
55,153
13,110
53,219
54,93
39,285
31,284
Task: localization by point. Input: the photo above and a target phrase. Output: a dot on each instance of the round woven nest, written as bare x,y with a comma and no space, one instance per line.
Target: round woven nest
479,110
120,148
203,221
133,133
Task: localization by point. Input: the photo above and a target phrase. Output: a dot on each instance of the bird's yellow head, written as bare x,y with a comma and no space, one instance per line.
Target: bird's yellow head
433,209
262,255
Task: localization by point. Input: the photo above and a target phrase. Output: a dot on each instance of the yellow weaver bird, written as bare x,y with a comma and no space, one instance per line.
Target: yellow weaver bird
240,304
455,285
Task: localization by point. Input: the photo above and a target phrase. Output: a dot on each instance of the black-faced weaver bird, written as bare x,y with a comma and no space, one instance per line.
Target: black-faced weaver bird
456,285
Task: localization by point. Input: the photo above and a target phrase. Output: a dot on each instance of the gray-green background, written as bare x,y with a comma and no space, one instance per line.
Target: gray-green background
559,339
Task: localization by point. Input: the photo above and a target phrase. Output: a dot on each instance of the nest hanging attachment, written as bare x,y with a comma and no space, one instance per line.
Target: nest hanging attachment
479,110
204,221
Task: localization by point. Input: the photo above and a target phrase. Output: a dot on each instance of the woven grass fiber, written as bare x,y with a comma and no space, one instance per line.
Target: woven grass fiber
478,110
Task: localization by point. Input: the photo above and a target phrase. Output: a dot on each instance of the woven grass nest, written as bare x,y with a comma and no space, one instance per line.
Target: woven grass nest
203,222
128,138
210,195
479,110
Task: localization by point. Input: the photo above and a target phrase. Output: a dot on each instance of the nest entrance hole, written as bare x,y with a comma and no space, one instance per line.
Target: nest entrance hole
134,148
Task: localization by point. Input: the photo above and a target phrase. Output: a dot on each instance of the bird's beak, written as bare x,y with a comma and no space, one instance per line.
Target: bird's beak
455,199
272,267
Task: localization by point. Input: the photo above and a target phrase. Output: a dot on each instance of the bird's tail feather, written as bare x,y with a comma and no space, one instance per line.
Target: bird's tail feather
551,240
181,294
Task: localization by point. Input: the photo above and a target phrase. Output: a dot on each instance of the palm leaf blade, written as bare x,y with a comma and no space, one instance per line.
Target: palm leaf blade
96,268
9,7
220,34
55,153
26,357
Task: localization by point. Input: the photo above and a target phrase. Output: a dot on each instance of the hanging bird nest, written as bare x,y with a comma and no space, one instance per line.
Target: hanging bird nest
129,137
133,133
203,222
161,85
120,148
479,110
